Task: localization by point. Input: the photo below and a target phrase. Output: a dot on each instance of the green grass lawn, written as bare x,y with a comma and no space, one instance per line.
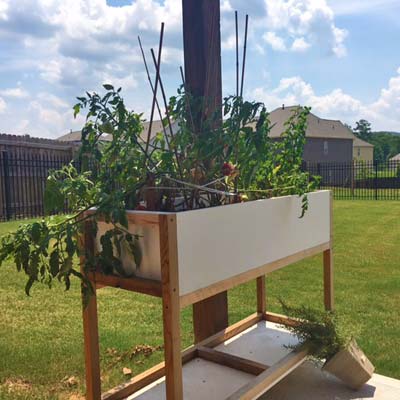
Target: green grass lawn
345,193
41,336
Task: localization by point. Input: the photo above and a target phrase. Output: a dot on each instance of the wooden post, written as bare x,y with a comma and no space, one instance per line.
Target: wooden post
261,295
202,52
328,280
171,309
328,266
90,328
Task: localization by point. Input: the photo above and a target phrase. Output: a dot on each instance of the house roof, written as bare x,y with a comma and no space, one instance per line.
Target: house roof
75,136
361,143
396,158
71,137
156,127
316,127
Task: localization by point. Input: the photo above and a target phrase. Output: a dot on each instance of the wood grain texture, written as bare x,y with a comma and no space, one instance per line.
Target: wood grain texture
137,217
260,384
90,325
171,309
261,295
202,54
134,284
231,331
145,378
328,280
210,316
329,301
231,361
280,319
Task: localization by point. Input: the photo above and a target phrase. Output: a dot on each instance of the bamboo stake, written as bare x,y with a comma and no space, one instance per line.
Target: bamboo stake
155,86
157,66
187,101
163,94
152,89
244,55
237,53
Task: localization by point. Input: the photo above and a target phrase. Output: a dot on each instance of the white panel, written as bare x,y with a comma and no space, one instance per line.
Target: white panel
218,243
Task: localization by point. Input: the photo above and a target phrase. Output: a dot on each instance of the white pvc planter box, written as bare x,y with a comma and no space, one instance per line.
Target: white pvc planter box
219,243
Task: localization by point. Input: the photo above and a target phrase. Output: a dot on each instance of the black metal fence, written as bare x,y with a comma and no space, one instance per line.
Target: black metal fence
23,179
359,179
22,183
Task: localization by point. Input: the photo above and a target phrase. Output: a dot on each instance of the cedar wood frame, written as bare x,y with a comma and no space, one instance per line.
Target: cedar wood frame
168,289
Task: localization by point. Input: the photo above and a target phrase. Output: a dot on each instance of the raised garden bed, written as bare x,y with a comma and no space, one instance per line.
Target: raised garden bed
190,256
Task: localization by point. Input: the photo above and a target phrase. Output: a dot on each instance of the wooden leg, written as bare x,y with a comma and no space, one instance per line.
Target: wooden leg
172,350
92,356
171,308
210,316
328,280
261,295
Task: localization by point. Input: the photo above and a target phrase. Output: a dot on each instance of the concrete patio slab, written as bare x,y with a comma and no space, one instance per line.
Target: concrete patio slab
265,343
308,382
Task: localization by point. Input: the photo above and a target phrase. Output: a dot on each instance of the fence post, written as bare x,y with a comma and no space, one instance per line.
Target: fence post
376,180
7,188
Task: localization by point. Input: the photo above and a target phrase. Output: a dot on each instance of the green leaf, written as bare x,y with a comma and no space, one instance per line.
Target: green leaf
28,285
136,252
53,197
36,232
69,243
108,86
66,267
54,263
77,109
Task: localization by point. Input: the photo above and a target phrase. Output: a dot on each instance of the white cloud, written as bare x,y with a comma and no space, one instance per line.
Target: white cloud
229,43
275,41
300,45
3,105
17,93
388,104
46,119
306,21
384,113
346,7
3,9
53,100
76,42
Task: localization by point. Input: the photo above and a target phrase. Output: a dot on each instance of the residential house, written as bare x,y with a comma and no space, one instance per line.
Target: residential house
396,158
156,127
326,140
362,150
75,137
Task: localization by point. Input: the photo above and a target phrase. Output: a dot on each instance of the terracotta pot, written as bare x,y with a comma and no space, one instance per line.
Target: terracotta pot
351,366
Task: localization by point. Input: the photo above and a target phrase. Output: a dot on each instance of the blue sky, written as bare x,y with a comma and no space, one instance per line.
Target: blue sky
338,56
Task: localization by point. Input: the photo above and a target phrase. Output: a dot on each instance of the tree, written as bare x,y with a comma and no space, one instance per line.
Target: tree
363,130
